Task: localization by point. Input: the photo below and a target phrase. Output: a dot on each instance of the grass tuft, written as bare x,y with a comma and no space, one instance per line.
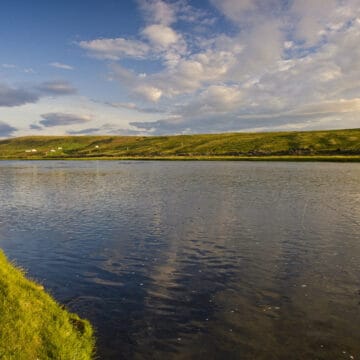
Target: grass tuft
34,326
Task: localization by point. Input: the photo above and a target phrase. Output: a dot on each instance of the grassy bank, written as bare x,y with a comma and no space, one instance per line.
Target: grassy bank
34,326
335,145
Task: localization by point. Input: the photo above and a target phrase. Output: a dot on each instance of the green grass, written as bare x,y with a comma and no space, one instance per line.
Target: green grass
34,326
317,145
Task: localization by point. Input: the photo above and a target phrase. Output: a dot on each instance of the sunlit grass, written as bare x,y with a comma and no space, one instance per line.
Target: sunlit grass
318,145
33,326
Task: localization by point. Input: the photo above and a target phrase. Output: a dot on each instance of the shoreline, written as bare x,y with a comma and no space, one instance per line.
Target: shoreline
34,325
286,158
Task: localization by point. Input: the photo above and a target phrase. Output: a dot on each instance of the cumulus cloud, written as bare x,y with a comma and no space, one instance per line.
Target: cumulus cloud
6,130
63,119
149,93
161,35
158,11
313,22
125,76
162,42
158,40
234,9
282,64
215,99
62,66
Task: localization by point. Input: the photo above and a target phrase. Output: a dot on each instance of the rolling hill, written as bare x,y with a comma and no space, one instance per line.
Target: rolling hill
269,145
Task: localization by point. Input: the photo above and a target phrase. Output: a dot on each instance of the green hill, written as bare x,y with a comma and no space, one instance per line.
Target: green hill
309,144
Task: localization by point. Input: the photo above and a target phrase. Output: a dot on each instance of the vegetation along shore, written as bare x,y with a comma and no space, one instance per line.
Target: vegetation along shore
34,326
331,145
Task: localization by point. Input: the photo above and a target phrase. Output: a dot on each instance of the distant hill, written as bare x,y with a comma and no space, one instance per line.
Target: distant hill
340,143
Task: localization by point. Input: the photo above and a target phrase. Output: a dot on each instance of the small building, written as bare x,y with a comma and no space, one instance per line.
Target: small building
33,150
52,150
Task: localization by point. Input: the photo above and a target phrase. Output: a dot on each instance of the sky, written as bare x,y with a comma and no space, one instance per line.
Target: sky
155,67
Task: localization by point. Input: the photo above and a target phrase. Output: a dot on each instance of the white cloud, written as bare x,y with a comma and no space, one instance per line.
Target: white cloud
124,76
171,12
8,66
148,93
161,35
215,99
115,49
29,71
158,11
26,70
283,61
312,18
58,87
62,66
234,9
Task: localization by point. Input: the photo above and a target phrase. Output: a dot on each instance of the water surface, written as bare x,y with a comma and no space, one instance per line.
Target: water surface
194,260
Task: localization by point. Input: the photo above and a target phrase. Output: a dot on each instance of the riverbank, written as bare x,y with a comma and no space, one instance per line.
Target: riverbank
34,325
294,158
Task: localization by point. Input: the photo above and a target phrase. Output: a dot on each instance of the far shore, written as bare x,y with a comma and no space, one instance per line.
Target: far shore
289,158
325,145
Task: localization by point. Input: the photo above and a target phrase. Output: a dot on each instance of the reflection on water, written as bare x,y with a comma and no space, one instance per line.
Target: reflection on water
194,260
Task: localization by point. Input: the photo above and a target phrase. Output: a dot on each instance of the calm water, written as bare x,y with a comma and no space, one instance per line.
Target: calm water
194,260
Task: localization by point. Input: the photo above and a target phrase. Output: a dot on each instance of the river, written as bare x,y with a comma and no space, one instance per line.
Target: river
194,260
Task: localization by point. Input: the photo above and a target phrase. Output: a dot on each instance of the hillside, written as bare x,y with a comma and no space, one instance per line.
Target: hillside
341,143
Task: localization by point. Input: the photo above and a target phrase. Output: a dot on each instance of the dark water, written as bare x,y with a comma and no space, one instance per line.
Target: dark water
194,260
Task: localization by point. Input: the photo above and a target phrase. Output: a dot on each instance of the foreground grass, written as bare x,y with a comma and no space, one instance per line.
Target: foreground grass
33,326
296,145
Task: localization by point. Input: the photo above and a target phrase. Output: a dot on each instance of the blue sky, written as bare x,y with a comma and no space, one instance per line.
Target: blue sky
178,66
